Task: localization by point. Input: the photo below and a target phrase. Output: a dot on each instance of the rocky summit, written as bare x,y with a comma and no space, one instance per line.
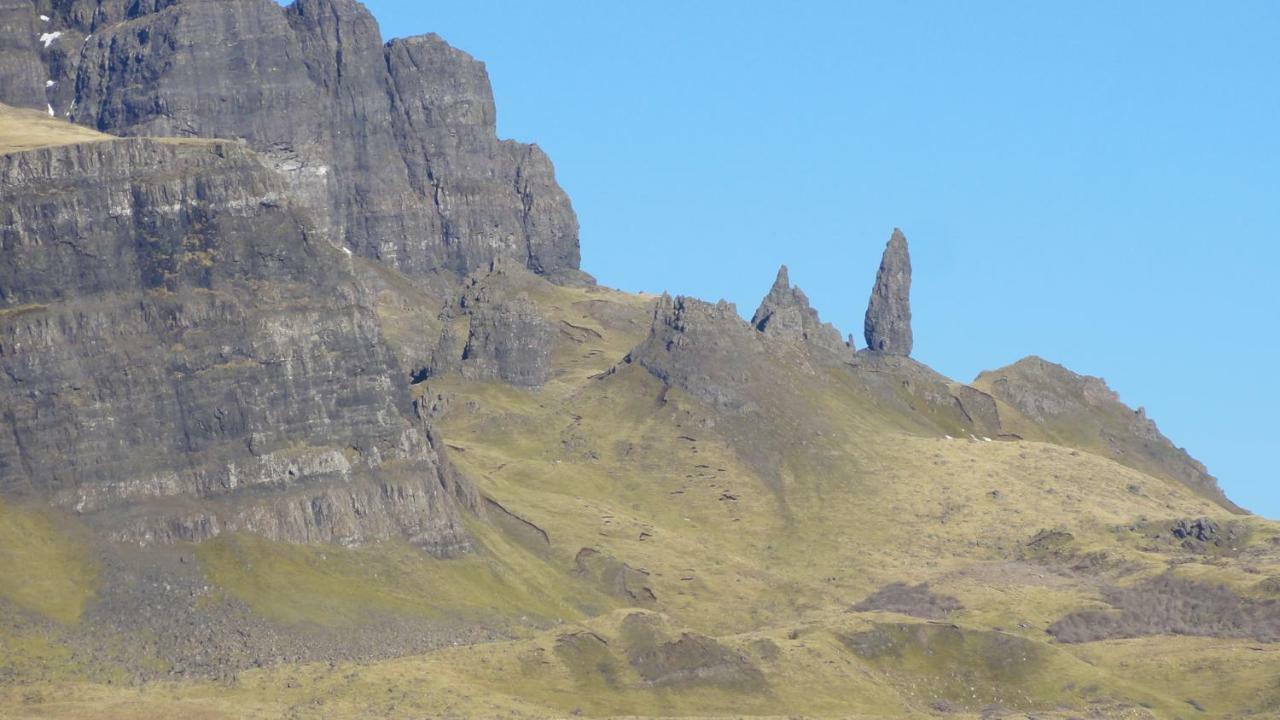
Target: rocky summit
307,411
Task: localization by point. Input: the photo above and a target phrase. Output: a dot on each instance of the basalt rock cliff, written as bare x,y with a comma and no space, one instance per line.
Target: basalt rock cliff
392,145
298,372
185,354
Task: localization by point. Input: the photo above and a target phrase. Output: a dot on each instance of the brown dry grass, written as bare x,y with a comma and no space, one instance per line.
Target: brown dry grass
22,129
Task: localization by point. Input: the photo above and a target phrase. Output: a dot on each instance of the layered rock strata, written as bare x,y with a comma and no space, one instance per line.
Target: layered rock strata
393,145
183,354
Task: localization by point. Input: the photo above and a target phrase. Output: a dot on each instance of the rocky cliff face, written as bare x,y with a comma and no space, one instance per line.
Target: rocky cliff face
492,331
888,323
393,146
183,354
22,74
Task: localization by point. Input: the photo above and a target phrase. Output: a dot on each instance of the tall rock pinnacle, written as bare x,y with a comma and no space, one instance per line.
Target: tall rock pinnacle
888,324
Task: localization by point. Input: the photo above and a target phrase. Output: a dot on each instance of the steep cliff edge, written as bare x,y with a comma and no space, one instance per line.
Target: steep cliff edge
184,355
423,184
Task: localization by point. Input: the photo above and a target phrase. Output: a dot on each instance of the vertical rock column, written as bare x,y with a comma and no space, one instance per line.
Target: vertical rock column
888,324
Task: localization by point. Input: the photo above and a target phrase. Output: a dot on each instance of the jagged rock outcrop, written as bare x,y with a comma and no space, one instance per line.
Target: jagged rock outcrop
394,146
785,315
1082,411
183,354
508,340
704,349
888,323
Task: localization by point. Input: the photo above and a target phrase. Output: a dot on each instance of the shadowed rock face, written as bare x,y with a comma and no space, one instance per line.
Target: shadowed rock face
394,146
785,315
183,355
493,331
704,349
22,74
508,340
888,323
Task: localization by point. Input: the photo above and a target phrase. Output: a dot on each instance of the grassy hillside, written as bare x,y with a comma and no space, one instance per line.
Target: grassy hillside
643,554
22,129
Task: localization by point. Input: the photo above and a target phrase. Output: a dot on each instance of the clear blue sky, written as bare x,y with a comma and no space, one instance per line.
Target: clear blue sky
1094,182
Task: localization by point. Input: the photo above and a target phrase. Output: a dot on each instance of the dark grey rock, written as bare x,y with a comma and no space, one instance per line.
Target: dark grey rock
785,315
494,331
393,146
888,323
1199,530
1204,535
183,354
704,349
508,340
22,74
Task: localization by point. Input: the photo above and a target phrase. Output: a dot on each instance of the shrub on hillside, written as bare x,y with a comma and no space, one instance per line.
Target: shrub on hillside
914,600
1172,606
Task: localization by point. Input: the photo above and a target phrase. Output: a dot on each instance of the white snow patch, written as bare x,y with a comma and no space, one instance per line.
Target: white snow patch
50,83
44,18
51,112
347,251
48,38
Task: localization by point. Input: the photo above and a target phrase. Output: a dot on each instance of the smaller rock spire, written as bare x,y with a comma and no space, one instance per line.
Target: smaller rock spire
780,295
888,323
785,313
782,283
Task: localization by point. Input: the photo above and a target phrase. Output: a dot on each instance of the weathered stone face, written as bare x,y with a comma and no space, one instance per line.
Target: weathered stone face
785,315
183,355
508,341
888,323
493,331
393,146
22,74
702,348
